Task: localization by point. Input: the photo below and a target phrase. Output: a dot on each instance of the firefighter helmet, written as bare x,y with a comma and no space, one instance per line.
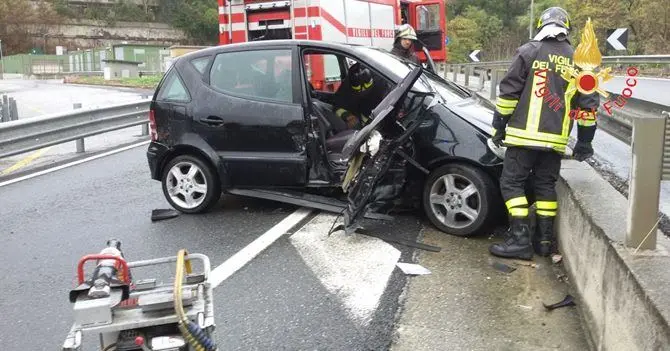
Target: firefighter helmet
360,78
406,32
554,15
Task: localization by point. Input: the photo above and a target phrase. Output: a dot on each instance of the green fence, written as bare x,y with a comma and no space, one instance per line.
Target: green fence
34,64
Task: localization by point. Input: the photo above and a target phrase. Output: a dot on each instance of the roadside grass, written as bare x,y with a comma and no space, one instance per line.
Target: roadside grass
145,82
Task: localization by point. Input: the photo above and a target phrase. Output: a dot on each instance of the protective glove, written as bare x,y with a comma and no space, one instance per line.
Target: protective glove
498,137
582,151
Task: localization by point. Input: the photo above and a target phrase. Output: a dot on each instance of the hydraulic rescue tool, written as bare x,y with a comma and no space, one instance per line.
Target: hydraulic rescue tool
145,314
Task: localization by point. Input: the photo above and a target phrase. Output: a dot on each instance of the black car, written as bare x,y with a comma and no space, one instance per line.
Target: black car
246,119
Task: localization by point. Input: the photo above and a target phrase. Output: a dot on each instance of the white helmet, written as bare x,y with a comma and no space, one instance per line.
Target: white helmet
406,32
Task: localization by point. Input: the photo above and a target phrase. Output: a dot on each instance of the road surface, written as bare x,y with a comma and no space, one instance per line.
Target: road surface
38,99
277,301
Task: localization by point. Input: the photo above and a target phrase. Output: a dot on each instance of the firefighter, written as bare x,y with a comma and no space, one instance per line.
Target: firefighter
536,132
358,96
403,46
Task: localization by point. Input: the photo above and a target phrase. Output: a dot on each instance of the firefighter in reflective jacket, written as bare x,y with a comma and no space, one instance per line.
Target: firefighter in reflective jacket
358,96
532,118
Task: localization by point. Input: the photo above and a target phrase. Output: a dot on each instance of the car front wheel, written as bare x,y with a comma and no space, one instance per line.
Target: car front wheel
459,199
190,185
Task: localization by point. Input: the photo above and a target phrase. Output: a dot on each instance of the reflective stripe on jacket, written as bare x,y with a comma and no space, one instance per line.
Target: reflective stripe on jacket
537,104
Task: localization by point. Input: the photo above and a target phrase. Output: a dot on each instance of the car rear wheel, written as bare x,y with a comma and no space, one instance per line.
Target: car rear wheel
190,185
459,199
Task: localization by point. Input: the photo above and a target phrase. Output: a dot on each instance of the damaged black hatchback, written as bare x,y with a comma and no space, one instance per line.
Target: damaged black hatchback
292,121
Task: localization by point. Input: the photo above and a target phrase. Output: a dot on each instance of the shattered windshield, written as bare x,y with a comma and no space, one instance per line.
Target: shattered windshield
448,91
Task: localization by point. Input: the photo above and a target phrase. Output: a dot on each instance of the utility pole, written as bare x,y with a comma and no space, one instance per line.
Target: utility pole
530,23
2,63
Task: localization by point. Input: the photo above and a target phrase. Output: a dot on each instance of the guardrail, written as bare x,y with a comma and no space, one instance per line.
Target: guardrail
648,134
22,136
8,109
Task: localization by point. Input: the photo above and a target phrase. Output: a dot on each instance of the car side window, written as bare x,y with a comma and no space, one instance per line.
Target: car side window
200,64
173,89
264,74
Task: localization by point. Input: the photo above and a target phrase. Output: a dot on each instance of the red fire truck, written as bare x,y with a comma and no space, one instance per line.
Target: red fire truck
365,22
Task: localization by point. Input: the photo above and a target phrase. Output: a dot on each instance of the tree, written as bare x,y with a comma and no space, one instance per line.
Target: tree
21,20
198,18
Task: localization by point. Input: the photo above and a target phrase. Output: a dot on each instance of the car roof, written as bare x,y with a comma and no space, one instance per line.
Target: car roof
343,47
269,44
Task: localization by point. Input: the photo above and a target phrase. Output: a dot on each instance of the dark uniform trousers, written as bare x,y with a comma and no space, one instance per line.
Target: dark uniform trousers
517,167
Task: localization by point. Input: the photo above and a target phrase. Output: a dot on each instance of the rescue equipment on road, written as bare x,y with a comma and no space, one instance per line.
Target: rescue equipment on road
142,315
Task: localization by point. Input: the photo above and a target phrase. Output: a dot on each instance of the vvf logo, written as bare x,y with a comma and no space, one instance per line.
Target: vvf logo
588,58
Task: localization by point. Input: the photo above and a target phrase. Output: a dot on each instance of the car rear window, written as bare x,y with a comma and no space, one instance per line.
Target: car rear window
173,88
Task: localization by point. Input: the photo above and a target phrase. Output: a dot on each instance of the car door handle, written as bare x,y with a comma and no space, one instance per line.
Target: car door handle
213,121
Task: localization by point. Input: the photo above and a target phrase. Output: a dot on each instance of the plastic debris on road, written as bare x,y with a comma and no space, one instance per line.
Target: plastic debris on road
503,267
412,269
567,301
162,214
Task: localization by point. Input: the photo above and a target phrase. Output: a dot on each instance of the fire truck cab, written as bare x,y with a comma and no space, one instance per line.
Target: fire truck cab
364,22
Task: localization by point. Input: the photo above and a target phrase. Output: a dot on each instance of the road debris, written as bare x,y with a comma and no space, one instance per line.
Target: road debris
556,258
162,214
525,263
412,268
503,267
567,301
562,277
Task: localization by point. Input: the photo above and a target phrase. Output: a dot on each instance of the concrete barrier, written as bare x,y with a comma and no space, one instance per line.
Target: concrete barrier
624,296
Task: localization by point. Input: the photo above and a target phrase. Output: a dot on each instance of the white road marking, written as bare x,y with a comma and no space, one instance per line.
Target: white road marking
244,256
355,268
58,168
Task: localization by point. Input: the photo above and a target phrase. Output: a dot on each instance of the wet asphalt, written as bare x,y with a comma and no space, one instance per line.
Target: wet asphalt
275,302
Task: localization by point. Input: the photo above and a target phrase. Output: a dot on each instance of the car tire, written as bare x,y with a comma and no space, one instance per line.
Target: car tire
190,192
465,210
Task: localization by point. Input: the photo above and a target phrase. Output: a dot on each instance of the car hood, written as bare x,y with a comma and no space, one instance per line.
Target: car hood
476,111
381,112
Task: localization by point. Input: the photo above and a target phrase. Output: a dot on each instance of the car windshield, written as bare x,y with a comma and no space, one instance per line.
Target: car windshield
448,91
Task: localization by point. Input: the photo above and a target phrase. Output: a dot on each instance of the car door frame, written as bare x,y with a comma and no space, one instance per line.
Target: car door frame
298,161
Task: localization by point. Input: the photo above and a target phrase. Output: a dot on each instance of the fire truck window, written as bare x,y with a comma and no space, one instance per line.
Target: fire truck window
323,72
262,74
428,17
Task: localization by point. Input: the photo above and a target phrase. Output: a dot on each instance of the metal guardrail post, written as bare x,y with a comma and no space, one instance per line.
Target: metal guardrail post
80,142
645,182
494,84
145,127
13,110
482,79
5,109
457,69
467,75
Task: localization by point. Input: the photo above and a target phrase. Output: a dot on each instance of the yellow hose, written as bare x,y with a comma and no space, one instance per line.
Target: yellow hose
178,305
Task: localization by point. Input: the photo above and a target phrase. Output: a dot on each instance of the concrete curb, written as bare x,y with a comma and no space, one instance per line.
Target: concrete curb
624,297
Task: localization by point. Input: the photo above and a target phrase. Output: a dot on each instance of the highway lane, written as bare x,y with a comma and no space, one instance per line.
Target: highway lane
39,99
35,98
309,291
648,89
306,291
49,222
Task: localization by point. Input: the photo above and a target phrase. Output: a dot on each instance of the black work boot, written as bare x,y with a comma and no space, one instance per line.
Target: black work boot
544,235
516,243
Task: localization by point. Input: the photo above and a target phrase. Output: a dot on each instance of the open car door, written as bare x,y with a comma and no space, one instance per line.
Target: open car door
370,154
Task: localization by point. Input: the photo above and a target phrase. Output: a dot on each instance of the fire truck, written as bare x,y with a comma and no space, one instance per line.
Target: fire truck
363,22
